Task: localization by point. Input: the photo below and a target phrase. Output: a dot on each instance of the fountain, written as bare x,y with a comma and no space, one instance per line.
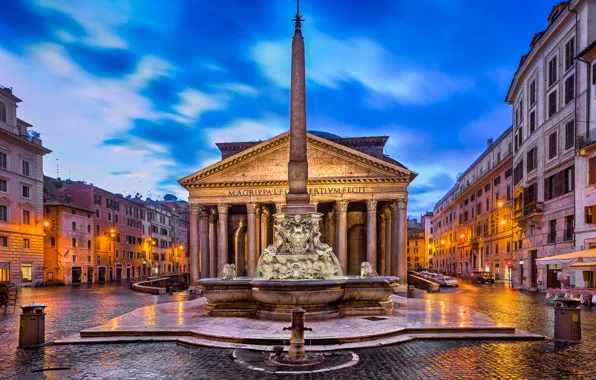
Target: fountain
298,270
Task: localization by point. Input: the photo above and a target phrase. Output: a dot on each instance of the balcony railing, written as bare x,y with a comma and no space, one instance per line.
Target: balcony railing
586,139
532,208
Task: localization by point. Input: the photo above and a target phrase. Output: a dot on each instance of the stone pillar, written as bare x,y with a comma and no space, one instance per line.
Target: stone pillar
402,237
252,238
371,232
258,248
265,216
388,240
381,245
212,243
393,234
342,234
222,236
194,244
204,242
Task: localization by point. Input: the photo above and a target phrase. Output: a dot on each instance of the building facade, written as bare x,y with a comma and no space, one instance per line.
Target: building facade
361,192
550,98
132,237
21,200
472,226
416,248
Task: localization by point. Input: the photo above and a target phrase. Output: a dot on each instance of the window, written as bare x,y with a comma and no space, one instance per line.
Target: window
89,245
549,187
559,183
2,112
569,89
532,122
552,103
25,168
507,173
487,187
26,272
569,134
116,218
568,180
74,242
552,71
74,258
569,53
3,160
532,94
88,228
26,192
590,214
552,145
552,231
3,213
97,230
3,185
52,241
109,216
74,226
591,174
26,217
97,213
3,242
26,243
532,159
497,181
568,235
97,199
518,172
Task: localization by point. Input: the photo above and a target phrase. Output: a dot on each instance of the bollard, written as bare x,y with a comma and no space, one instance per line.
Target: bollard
411,291
32,326
297,351
568,326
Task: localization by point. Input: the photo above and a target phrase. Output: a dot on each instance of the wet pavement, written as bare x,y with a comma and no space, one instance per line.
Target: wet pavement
73,309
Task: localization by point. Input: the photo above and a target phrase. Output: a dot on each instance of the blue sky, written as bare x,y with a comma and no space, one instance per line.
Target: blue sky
132,95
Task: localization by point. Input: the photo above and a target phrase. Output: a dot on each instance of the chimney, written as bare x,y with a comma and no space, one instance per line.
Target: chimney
489,143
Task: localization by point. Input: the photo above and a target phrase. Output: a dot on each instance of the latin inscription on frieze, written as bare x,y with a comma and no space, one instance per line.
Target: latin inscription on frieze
311,191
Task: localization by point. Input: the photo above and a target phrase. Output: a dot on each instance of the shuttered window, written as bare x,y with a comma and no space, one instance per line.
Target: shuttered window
552,145
592,171
569,134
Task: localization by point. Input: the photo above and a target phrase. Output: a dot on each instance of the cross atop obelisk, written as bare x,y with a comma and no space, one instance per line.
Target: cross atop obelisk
298,199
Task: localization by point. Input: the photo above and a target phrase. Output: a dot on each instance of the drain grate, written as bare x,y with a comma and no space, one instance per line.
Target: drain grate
374,319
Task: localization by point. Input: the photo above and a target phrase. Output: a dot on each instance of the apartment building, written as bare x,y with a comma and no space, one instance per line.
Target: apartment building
21,202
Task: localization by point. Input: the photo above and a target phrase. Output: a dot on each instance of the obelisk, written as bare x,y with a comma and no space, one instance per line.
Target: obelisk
298,199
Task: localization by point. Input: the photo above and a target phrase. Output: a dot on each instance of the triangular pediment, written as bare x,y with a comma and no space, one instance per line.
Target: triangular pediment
267,162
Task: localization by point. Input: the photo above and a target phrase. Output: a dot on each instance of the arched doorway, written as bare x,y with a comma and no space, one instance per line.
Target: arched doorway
356,248
238,252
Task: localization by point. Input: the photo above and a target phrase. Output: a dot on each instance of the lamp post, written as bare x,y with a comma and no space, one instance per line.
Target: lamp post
113,261
503,222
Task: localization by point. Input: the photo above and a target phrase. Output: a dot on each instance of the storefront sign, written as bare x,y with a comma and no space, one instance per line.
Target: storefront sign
311,191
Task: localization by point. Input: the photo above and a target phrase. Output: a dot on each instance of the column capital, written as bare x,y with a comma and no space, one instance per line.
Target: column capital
203,212
194,208
265,211
212,216
371,205
222,208
251,207
342,205
402,203
258,210
393,206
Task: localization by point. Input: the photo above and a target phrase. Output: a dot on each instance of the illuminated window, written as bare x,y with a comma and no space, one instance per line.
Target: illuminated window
4,272
26,243
26,272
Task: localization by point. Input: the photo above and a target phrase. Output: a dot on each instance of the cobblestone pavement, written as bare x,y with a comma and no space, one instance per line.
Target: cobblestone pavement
72,309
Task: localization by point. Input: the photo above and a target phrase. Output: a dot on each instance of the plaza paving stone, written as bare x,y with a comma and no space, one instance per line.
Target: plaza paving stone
71,310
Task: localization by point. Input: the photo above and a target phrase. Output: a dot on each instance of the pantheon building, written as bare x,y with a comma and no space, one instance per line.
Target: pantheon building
361,192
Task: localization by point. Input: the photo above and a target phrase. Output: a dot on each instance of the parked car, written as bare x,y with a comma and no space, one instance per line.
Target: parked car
424,274
448,281
483,277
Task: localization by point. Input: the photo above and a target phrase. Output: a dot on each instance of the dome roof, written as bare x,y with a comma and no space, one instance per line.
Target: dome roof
323,134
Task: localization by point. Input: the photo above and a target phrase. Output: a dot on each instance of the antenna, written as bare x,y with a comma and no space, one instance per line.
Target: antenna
57,168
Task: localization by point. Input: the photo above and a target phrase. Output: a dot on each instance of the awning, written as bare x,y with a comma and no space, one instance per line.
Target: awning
588,255
584,265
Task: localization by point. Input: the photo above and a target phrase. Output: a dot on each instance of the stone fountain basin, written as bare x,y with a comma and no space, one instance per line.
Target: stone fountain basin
322,299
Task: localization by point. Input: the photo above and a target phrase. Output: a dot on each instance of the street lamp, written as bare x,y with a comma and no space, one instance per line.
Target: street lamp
113,261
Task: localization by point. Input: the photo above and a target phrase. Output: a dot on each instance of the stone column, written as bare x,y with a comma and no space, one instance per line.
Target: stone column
212,243
331,234
393,239
342,234
204,242
265,216
194,244
258,248
402,236
382,247
371,232
252,238
222,236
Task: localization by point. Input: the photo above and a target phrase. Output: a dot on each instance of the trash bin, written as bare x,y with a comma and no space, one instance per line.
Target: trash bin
32,327
568,326
411,291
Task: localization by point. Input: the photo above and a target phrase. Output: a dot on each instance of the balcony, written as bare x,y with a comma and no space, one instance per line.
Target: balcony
528,212
586,139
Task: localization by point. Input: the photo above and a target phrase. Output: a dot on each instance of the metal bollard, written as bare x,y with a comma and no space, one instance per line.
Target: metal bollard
568,326
32,326
297,350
